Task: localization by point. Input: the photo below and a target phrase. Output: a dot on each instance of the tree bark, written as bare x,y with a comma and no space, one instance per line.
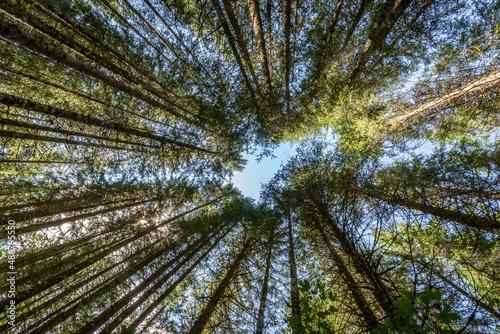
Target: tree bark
478,87
254,6
287,22
360,263
24,295
294,284
209,308
14,101
387,17
265,286
172,287
107,314
368,317
483,223
318,71
61,315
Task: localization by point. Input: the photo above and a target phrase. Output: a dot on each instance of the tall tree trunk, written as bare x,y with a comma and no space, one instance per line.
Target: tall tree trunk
387,17
360,263
12,32
24,295
318,71
179,280
483,223
62,314
470,90
287,23
354,24
107,314
68,290
59,222
368,317
463,292
294,284
254,6
228,6
232,44
265,285
209,308
18,102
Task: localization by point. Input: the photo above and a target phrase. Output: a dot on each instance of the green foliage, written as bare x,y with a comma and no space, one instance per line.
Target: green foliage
127,330
317,305
413,312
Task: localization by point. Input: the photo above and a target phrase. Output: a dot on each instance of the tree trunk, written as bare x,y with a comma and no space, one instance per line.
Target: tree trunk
265,286
254,6
24,295
12,32
63,314
487,224
59,222
368,317
17,102
387,17
318,71
294,284
231,41
477,87
362,266
172,287
132,294
287,22
228,6
209,308
462,291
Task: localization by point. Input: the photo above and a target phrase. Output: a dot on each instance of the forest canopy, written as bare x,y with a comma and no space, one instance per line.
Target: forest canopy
123,121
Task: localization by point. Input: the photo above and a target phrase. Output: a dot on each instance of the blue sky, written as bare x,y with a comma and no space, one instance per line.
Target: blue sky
250,180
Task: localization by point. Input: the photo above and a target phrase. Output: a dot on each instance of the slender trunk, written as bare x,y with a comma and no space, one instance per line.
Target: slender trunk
477,87
444,192
287,22
464,293
387,17
25,125
254,6
13,33
228,6
361,264
14,101
265,286
188,50
14,72
317,73
209,308
59,222
68,290
39,162
368,317
77,28
232,45
62,314
29,136
294,284
51,202
132,294
487,224
55,210
172,287
354,24
24,295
